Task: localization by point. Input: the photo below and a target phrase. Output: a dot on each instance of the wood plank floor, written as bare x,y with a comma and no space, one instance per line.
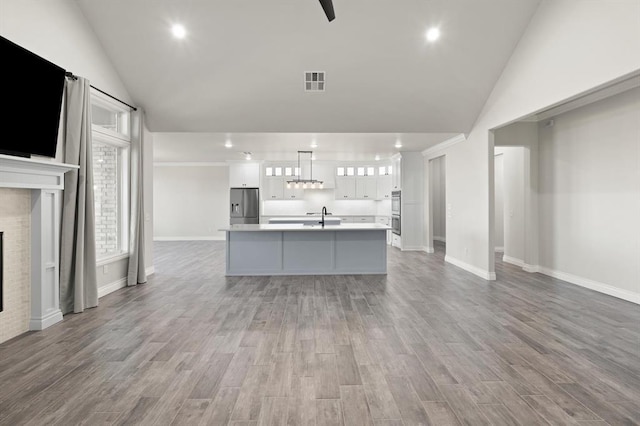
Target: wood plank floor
427,344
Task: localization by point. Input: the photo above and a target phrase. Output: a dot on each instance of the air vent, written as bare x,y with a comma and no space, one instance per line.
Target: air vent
314,81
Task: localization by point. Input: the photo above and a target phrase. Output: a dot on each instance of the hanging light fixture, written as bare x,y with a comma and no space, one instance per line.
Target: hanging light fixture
306,183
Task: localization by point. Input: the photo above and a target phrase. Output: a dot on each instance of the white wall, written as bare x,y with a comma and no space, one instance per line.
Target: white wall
590,193
568,48
499,202
190,202
58,31
437,168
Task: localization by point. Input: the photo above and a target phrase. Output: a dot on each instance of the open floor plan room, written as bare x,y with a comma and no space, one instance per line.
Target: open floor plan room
426,344
320,212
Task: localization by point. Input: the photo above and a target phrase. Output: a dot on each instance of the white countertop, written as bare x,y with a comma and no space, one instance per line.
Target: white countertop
300,227
308,218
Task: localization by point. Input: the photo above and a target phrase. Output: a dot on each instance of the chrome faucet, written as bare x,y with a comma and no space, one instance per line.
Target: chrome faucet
324,212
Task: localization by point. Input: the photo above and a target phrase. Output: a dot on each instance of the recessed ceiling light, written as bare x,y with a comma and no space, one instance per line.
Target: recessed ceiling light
398,144
178,31
433,34
228,144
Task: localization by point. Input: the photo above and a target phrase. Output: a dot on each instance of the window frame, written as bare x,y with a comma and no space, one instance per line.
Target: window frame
122,142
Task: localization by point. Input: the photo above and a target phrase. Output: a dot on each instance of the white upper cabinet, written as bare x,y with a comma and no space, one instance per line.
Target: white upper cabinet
396,179
384,187
366,188
293,193
345,188
273,188
244,175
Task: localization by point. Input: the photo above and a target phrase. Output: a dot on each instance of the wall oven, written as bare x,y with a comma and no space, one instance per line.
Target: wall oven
395,203
395,224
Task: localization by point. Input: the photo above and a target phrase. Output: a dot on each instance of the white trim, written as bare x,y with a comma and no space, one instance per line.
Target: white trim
617,87
592,285
428,250
499,249
111,287
111,259
531,268
412,248
513,261
441,239
191,164
121,283
46,321
27,173
436,149
189,238
489,276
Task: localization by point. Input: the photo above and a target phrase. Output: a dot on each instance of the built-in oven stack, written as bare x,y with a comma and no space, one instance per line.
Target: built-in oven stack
395,212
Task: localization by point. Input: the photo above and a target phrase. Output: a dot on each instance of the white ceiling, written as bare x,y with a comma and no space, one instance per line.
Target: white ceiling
240,69
209,147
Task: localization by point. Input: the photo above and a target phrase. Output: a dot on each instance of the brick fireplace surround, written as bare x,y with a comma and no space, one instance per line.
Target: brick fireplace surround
30,211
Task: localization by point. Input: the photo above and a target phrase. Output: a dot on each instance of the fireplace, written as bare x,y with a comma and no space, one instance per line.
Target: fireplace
30,209
1,273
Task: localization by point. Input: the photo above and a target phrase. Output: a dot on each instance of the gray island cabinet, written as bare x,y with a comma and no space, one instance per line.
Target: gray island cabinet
297,249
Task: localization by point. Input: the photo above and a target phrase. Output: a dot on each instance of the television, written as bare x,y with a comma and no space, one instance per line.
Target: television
31,99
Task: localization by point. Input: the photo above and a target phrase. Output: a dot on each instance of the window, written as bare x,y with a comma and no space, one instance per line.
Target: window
111,144
384,170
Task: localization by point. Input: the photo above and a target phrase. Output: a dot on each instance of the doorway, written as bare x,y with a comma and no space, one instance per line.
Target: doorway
438,202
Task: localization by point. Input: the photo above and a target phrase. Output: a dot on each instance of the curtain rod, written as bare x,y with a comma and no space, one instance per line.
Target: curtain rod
70,75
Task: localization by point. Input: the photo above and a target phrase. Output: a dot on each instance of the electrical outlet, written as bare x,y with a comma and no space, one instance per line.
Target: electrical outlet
105,269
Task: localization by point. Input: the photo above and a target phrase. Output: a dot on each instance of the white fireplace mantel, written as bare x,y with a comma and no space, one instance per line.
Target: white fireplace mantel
46,180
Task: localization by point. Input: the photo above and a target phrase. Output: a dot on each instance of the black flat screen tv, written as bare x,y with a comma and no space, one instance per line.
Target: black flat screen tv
31,99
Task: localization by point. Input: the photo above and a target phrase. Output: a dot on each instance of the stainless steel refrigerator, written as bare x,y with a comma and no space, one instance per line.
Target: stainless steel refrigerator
245,205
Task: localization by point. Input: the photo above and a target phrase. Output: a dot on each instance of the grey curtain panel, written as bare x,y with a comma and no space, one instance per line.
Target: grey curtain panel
137,274
78,283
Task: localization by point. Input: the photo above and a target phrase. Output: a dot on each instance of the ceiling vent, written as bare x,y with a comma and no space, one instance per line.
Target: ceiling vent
314,81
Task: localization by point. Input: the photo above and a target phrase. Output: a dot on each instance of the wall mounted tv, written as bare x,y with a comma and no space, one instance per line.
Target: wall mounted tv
31,99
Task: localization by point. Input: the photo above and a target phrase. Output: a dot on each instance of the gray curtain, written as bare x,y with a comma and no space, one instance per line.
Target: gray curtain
137,274
78,283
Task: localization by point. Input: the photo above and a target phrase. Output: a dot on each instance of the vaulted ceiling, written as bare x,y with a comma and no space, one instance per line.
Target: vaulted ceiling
240,67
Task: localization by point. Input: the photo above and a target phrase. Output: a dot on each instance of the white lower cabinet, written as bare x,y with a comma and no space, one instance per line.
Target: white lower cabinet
363,219
396,241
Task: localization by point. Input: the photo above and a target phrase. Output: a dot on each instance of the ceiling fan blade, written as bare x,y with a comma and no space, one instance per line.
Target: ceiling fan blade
327,6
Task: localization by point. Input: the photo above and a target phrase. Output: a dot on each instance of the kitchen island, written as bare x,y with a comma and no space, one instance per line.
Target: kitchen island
296,249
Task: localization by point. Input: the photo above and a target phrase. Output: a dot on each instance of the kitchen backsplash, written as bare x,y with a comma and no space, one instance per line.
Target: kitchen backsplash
314,200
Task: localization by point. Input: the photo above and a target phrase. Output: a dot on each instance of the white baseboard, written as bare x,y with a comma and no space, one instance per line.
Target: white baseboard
499,249
428,250
530,268
412,248
490,276
592,285
513,260
111,287
188,238
441,239
121,283
37,324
